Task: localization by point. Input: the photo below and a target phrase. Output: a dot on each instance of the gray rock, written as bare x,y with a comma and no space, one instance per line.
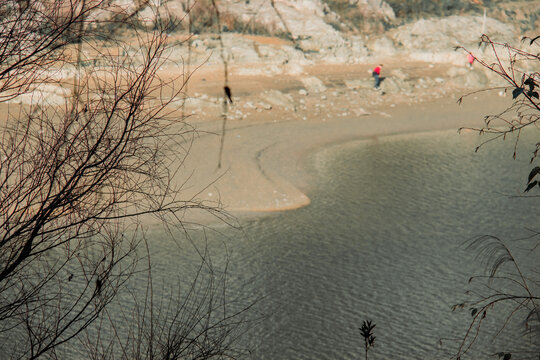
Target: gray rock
277,98
399,74
240,49
198,44
360,111
476,78
391,85
198,103
445,33
457,71
265,106
272,53
48,94
313,84
382,46
249,105
376,9
355,84
359,50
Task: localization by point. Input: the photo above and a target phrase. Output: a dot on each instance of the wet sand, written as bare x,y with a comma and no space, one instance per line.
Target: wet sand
265,148
264,153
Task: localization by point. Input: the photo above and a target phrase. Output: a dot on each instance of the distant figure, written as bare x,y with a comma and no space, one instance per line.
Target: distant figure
377,75
470,60
228,93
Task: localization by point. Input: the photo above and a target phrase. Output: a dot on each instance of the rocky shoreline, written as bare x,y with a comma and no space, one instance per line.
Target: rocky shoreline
296,93
327,90
274,125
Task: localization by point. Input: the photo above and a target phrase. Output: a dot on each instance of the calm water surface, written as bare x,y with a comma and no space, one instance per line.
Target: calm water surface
381,240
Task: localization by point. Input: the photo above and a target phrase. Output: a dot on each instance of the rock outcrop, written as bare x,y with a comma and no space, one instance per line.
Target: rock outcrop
309,34
442,33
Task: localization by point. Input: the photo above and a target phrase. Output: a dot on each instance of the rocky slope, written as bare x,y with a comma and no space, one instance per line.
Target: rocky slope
313,36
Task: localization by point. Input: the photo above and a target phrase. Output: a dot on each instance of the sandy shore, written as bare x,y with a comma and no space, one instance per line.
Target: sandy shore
275,121
263,156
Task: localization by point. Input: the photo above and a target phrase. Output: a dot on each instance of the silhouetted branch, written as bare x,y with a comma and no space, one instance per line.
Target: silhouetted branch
512,288
79,170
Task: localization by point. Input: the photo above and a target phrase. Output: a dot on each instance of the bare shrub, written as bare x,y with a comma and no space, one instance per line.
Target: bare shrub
80,177
506,285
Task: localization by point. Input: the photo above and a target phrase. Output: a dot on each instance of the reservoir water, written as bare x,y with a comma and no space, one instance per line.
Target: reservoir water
383,239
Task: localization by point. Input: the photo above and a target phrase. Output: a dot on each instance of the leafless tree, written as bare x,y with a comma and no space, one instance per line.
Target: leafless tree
523,85
198,320
507,285
77,177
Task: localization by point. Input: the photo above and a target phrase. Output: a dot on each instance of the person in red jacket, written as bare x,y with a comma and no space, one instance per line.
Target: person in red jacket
470,59
377,75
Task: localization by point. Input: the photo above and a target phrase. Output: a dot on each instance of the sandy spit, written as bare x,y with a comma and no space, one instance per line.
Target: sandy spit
263,161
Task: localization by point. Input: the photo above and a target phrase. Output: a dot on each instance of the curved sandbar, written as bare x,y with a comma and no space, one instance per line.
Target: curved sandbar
262,161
